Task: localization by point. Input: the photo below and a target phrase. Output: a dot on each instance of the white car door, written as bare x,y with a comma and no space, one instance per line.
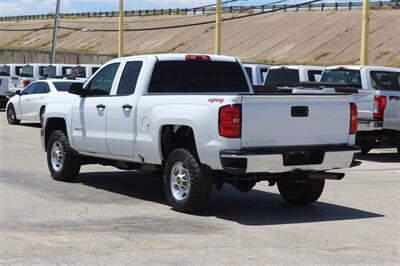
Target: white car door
27,96
121,112
89,112
35,101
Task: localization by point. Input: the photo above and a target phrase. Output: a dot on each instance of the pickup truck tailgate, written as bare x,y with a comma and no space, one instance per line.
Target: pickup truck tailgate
295,120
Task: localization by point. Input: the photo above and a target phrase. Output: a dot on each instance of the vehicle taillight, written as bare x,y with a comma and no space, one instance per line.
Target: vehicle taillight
379,106
353,119
230,125
26,82
197,58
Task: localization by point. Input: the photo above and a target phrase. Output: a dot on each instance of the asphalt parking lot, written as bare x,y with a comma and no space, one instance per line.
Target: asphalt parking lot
112,217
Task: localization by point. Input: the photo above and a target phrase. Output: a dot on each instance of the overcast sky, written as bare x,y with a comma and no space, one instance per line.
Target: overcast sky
25,7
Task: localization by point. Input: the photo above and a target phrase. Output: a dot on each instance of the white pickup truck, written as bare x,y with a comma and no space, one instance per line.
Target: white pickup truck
377,99
196,118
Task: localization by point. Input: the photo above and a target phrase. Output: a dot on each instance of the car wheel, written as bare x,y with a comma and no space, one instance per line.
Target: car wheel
63,163
365,149
41,115
11,116
244,185
187,185
301,192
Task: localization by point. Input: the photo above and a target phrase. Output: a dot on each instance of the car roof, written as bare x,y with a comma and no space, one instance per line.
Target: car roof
175,57
298,67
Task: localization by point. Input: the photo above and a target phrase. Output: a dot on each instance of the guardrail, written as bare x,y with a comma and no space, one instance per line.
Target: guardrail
207,10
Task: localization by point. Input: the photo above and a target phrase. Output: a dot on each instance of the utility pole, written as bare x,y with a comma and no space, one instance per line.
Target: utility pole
218,28
365,33
121,29
55,29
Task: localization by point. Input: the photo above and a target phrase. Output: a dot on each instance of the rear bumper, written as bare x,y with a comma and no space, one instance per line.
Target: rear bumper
287,159
370,125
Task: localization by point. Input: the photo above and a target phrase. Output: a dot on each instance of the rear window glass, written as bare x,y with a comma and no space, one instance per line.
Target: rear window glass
283,77
5,71
264,72
18,71
63,86
41,71
27,71
66,71
383,80
314,75
348,76
78,72
197,77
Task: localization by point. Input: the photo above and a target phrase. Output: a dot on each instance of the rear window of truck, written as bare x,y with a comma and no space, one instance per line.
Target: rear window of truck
27,71
5,71
282,77
78,71
385,80
197,77
314,75
348,76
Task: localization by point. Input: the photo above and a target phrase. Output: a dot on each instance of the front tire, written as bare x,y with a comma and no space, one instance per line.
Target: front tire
187,185
301,193
63,163
11,115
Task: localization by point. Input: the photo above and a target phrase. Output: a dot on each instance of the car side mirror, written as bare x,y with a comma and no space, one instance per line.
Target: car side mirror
18,92
77,89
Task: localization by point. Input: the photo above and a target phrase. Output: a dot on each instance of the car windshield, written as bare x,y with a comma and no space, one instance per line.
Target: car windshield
50,71
27,71
63,86
198,77
348,76
5,71
282,77
78,72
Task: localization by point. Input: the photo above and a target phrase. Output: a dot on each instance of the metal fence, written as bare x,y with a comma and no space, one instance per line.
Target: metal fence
207,10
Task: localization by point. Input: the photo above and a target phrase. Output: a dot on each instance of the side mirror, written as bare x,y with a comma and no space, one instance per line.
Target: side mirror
17,92
77,89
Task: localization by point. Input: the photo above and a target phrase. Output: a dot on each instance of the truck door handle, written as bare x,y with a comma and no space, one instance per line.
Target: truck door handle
127,107
100,106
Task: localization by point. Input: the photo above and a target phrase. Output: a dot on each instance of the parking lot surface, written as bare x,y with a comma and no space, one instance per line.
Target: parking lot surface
121,217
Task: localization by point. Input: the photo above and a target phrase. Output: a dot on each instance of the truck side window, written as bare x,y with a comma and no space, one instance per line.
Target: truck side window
129,78
384,80
314,75
249,74
101,84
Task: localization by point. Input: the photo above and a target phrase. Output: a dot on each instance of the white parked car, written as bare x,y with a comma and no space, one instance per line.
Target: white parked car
29,104
196,118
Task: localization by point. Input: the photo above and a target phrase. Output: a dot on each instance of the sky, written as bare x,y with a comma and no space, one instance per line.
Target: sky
26,7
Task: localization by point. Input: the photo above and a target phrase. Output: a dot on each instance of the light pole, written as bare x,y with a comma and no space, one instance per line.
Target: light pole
364,33
55,29
218,28
121,29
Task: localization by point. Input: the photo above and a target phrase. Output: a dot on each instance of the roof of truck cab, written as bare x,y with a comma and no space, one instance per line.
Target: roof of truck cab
355,67
298,67
176,57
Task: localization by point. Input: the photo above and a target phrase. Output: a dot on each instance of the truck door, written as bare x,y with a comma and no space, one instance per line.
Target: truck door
121,112
89,112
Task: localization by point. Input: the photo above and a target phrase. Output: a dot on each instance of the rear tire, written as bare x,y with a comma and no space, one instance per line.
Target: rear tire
11,115
63,163
187,185
301,193
365,149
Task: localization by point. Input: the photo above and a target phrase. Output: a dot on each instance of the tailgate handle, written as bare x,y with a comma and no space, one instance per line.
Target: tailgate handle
299,111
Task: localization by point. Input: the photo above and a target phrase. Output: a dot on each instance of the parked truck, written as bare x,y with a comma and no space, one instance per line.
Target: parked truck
378,100
196,118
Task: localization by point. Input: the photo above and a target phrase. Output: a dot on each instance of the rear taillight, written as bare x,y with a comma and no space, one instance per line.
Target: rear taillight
197,58
26,82
353,119
379,106
230,124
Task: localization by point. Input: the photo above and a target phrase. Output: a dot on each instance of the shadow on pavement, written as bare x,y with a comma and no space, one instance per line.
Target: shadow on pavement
380,157
254,208
36,125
